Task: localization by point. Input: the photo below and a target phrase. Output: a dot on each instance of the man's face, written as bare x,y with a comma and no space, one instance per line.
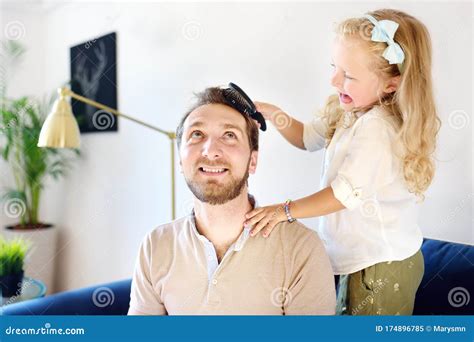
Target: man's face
215,154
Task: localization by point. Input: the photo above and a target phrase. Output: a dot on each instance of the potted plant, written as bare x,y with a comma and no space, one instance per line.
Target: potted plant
21,121
20,125
12,256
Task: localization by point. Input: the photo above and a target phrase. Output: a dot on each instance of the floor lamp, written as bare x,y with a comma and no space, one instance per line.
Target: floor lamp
60,130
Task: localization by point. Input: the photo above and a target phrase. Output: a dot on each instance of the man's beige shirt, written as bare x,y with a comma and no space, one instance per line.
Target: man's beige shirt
177,273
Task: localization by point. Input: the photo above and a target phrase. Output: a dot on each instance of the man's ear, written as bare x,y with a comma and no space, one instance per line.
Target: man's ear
253,162
392,85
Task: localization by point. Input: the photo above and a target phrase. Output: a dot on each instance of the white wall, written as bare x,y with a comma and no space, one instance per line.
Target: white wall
277,52
28,28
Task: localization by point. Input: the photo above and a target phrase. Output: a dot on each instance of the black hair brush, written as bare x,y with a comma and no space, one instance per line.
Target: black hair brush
237,99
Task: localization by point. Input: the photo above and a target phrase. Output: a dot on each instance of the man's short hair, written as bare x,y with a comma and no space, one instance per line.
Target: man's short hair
215,95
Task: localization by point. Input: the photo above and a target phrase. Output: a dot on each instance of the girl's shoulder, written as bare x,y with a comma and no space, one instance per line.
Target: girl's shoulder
378,114
380,123
375,111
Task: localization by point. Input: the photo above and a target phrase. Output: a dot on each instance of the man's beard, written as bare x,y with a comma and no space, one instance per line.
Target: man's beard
214,193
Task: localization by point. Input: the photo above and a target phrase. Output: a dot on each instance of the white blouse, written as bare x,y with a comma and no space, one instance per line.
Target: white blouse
380,220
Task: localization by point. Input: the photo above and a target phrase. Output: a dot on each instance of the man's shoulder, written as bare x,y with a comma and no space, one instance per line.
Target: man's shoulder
168,231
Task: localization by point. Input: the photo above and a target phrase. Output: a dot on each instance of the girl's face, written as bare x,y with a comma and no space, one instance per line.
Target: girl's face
356,83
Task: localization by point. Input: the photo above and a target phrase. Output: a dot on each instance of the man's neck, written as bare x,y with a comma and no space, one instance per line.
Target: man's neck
222,224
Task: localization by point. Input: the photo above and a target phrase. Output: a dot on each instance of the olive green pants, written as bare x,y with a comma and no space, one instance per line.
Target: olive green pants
387,288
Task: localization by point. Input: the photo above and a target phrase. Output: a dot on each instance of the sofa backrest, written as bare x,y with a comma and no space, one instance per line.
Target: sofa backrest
446,289
106,299
448,283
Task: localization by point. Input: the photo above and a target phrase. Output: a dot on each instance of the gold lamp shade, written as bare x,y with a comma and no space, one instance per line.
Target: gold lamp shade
60,129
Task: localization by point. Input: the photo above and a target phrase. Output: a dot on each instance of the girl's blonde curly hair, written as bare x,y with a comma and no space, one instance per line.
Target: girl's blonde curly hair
412,105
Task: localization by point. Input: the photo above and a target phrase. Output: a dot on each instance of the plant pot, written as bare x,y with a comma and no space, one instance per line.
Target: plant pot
10,284
40,261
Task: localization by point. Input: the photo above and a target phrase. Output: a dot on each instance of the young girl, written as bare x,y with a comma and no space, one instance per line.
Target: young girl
379,133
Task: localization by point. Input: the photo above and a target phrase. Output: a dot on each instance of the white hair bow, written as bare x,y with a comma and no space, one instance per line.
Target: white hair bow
384,31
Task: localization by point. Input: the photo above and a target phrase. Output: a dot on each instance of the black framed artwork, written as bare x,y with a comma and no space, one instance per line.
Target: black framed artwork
94,75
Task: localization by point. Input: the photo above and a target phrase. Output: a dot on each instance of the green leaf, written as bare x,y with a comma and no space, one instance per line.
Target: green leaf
12,255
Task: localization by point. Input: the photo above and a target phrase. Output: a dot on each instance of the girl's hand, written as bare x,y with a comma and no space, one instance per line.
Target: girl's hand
265,217
268,110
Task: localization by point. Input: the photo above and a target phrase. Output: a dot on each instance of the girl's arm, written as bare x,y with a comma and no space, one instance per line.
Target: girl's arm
319,204
290,128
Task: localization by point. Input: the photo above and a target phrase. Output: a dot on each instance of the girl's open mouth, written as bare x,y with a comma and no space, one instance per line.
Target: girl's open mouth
344,98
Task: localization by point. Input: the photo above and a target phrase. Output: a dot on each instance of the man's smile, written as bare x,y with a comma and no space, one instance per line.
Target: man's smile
213,171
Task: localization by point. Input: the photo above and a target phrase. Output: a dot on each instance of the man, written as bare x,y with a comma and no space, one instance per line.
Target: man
206,263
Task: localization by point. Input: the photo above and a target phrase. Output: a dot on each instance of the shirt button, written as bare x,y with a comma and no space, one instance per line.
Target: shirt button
214,281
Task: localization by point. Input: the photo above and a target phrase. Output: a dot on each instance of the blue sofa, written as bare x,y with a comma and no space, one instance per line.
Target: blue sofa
446,289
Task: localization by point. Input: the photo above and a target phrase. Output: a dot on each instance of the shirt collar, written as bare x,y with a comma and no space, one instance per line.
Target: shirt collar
243,237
